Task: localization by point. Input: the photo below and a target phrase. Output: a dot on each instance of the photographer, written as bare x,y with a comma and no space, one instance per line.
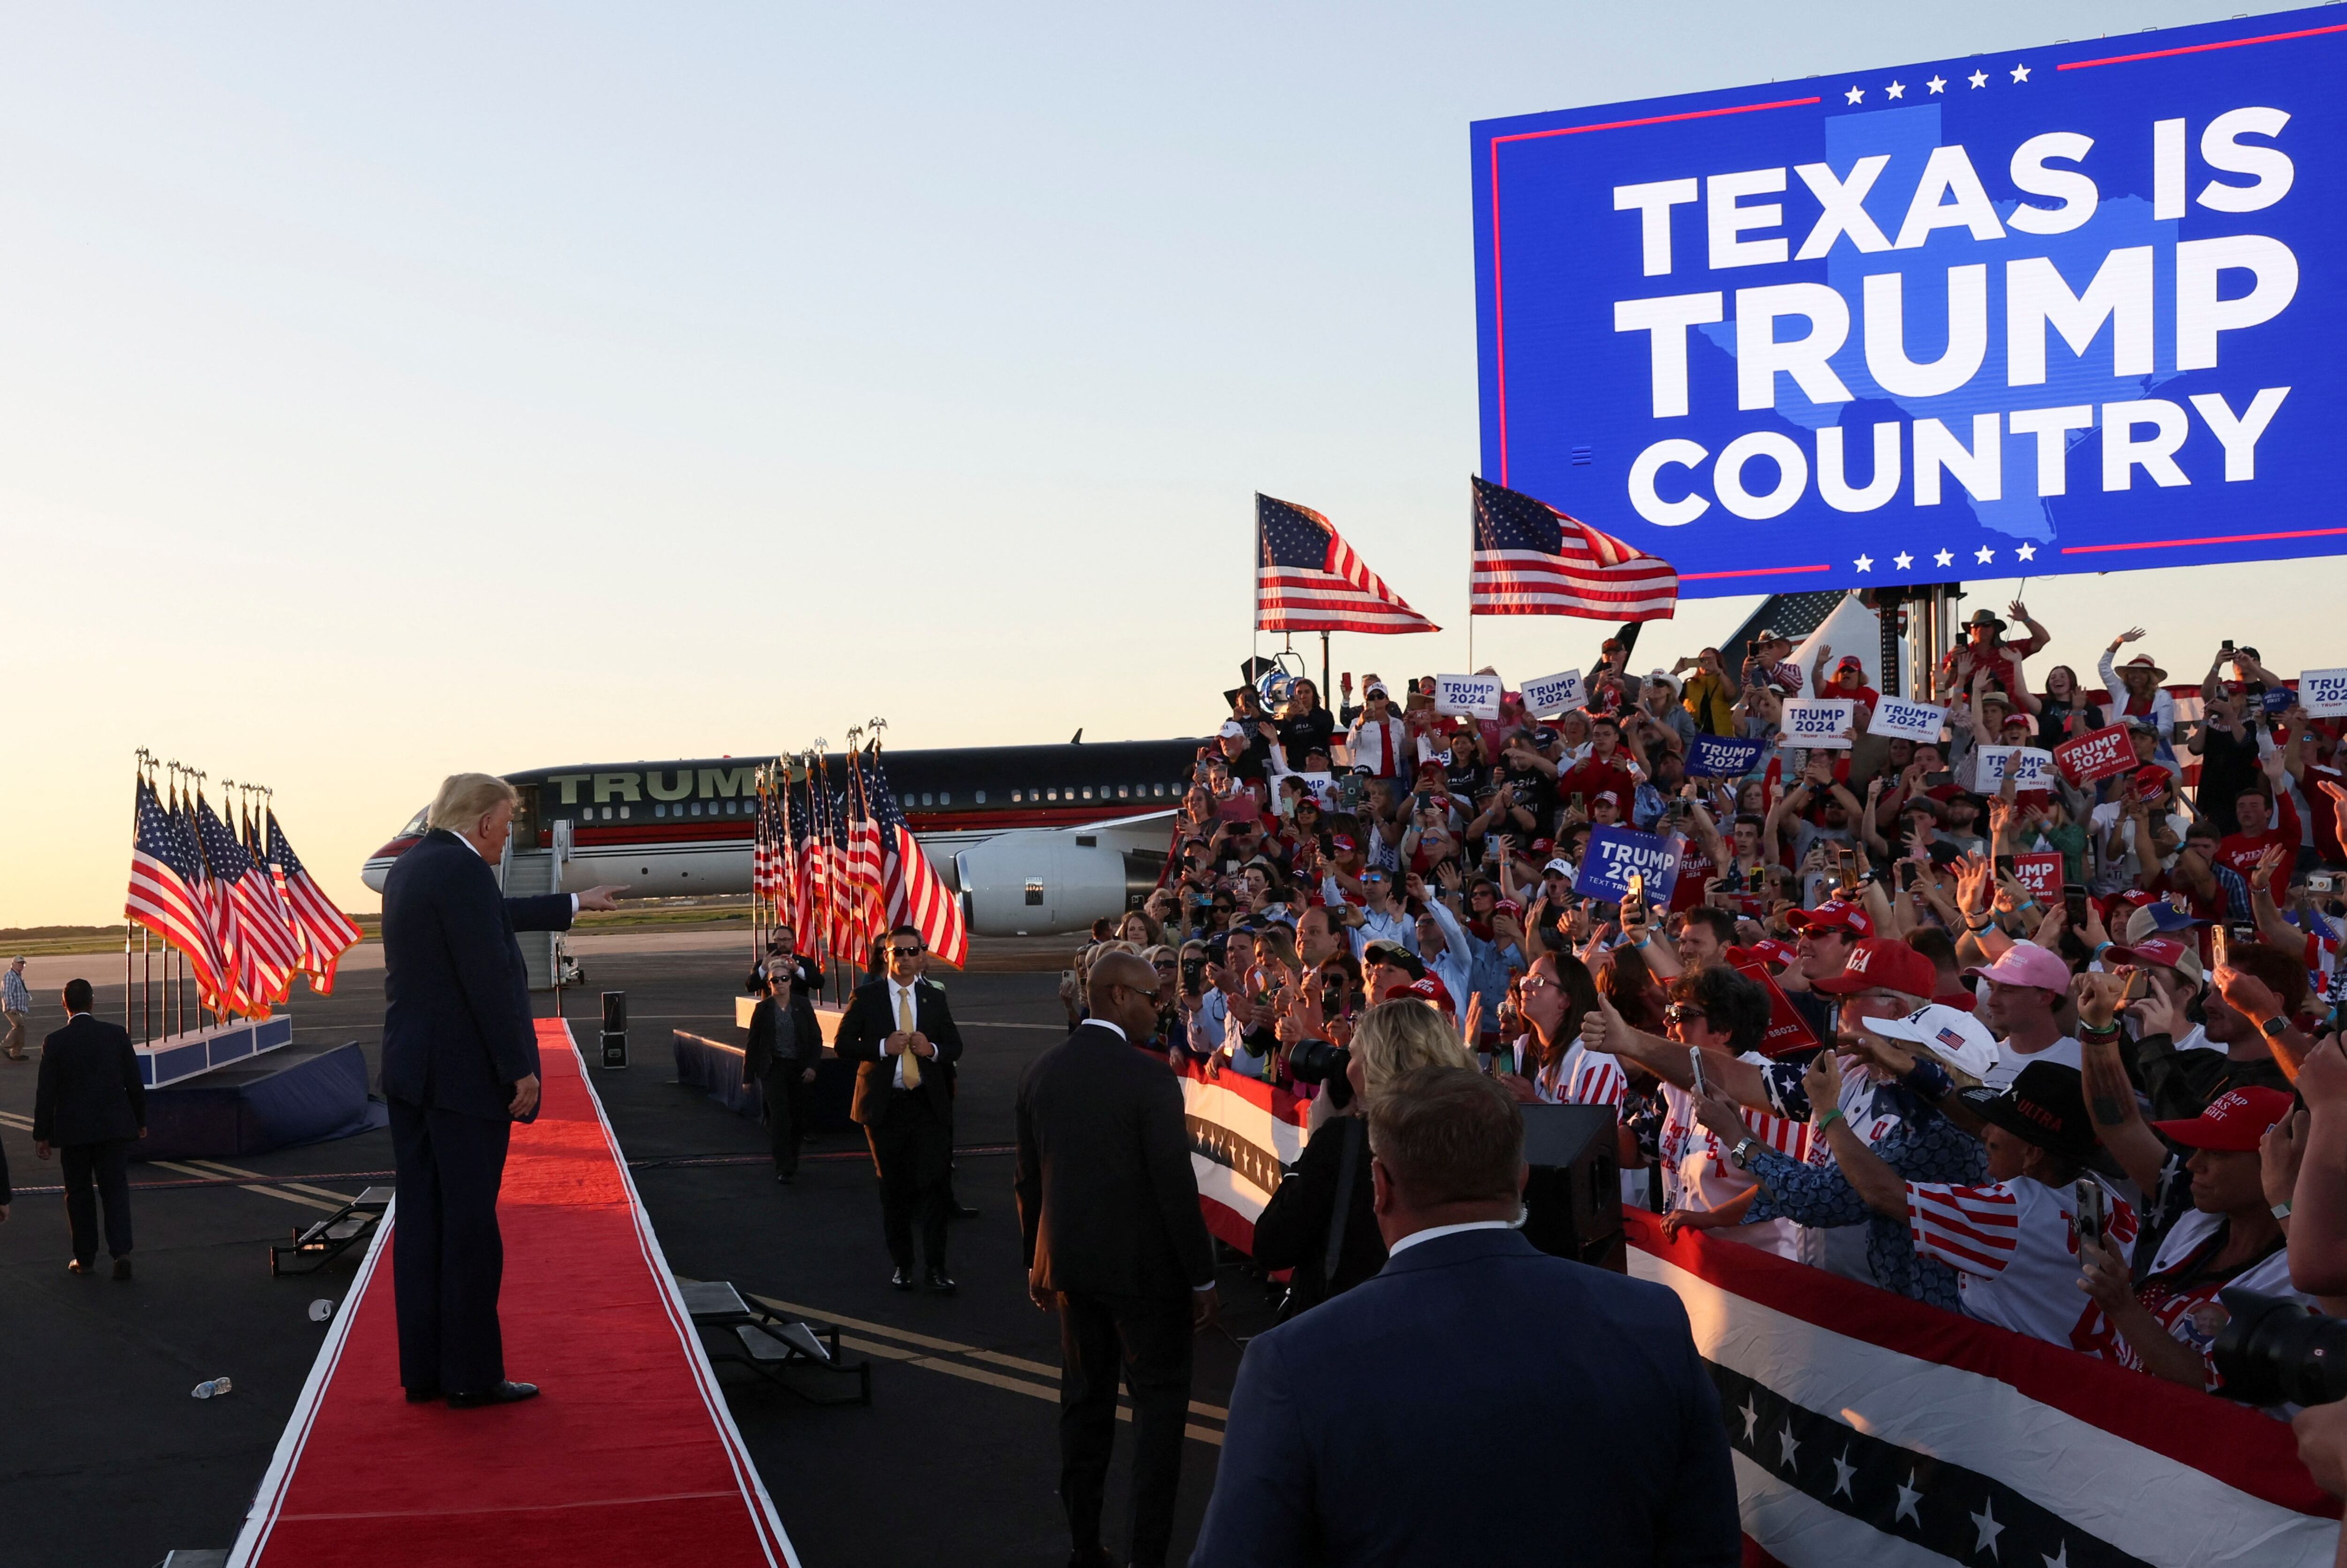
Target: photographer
1321,1222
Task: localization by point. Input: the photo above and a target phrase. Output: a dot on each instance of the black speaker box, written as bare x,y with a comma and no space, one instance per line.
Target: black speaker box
1573,1202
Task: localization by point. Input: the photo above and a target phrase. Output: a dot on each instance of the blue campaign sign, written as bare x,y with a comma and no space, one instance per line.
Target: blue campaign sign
2068,308
1614,853
1721,757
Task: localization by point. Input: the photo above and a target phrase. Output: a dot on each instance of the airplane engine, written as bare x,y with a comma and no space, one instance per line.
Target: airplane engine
1037,884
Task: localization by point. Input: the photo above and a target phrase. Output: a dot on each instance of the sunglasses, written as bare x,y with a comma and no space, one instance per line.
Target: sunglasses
904,952
1683,1012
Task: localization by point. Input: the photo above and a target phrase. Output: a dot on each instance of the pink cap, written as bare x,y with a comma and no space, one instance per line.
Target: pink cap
2027,964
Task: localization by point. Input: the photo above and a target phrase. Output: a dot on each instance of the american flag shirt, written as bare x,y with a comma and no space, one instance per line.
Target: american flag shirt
2014,1248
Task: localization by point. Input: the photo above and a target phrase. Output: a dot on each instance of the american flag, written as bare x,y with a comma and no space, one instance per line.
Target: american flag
866,901
917,896
162,897
327,932
216,899
786,850
1307,579
815,870
1532,559
262,957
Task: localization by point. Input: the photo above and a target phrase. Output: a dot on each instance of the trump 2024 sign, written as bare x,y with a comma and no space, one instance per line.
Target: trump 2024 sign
2069,308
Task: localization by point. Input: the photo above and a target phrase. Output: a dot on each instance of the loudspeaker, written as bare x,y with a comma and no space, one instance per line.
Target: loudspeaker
615,1029
1573,1202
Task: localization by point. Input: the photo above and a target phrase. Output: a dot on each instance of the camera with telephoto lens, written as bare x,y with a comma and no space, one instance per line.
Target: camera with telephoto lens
2272,1351
1317,1061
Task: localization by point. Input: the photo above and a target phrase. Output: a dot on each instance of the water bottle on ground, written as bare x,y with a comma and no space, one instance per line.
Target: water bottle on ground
214,1388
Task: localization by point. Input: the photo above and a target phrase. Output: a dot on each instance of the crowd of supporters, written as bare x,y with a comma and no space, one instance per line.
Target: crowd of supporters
2077,1113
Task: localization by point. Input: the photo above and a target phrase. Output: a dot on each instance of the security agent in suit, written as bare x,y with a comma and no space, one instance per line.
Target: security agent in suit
901,1034
1108,1221
459,1068
1364,1431
786,1043
90,1107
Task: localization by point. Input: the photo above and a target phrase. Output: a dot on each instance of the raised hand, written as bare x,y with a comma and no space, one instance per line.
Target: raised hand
2098,995
2132,634
1823,1082
2279,1154
2269,859
2153,1014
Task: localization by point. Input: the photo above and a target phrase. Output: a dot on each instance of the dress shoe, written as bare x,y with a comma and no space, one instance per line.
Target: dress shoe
503,1393
122,1268
422,1396
940,1282
76,1266
786,1177
902,1279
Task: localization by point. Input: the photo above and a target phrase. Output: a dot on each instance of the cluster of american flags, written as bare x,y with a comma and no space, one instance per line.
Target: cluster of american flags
833,859
1526,558
229,894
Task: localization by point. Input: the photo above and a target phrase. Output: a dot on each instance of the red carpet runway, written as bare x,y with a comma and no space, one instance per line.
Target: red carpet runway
628,1456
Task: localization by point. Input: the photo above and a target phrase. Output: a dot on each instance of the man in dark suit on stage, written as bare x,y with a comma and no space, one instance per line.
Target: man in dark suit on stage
90,1107
459,1068
786,1043
901,1033
1366,1430
1108,1221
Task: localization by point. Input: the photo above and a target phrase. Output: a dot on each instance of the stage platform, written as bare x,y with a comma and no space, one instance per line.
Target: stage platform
715,1068
173,1058
303,1095
630,1455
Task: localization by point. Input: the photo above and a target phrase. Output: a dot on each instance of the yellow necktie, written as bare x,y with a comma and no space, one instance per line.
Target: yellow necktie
910,1064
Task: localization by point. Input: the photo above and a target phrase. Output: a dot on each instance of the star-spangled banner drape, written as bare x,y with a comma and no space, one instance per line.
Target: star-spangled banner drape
1307,579
1532,560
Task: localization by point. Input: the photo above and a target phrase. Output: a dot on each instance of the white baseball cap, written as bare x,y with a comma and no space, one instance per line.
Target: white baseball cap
1561,867
1961,1041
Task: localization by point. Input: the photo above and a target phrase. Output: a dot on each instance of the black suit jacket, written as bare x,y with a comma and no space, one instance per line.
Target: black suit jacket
456,1029
764,1053
869,1022
88,1091
1364,1430
1108,1204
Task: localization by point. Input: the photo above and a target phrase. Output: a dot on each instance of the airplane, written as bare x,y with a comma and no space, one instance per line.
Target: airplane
1036,840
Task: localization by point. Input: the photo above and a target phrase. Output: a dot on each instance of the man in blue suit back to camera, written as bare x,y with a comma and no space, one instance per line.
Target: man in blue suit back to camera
1477,1401
459,1068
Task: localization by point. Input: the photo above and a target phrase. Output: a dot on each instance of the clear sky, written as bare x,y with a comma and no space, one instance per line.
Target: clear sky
387,391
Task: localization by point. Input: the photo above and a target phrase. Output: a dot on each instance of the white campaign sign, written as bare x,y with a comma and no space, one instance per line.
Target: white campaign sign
1819,721
1552,694
2324,692
2029,767
1478,695
1898,720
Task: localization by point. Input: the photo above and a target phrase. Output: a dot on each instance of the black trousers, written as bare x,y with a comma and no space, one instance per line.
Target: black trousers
912,1148
784,1090
447,1259
1148,1344
109,1164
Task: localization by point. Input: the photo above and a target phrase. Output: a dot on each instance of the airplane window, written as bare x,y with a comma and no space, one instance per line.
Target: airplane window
945,797
928,800
1015,796
623,814
417,824
660,811
981,797
1053,794
1122,792
1088,792
1158,790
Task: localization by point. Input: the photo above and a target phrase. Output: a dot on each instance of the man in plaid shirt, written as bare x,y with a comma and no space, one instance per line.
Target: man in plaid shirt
17,1004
